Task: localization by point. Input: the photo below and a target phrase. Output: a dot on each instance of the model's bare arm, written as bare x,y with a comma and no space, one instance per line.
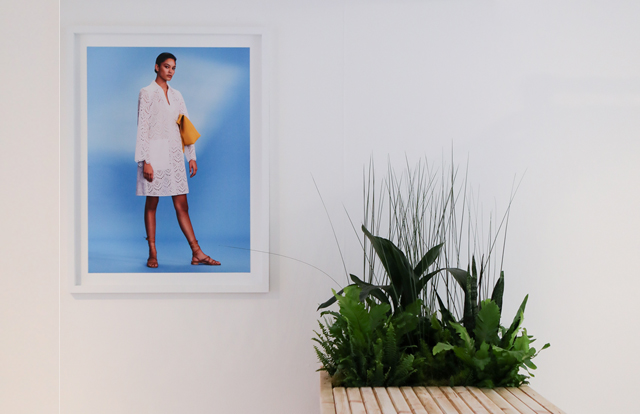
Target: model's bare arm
193,167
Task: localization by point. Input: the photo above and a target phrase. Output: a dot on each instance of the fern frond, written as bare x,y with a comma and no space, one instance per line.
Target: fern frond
402,371
391,356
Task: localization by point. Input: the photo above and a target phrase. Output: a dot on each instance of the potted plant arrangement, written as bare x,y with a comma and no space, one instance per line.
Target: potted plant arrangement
417,317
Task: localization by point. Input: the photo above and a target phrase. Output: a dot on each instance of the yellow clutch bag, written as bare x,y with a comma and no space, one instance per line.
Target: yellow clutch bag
188,132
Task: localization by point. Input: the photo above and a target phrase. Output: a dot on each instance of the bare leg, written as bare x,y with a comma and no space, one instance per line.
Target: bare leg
150,207
182,212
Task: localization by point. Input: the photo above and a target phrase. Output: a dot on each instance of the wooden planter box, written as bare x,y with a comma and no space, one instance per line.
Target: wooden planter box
431,400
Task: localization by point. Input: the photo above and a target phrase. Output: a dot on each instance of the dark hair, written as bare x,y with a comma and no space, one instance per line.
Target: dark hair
162,57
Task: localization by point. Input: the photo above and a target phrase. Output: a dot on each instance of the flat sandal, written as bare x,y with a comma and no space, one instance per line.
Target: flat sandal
152,262
208,261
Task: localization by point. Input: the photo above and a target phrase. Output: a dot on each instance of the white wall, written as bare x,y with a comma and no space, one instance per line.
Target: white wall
549,87
29,207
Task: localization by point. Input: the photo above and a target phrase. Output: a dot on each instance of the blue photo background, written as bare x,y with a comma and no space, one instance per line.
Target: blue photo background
215,85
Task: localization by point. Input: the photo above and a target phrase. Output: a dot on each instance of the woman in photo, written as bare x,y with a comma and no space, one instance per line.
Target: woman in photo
159,153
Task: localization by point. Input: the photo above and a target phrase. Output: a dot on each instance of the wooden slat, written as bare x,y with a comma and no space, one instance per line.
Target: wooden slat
530,402
342,402
427,400
514,401
327,406
431,400
384,401
397,397
355,401
370,401
475,405
541,400
413,400
499,401
458,402
442,400
486,402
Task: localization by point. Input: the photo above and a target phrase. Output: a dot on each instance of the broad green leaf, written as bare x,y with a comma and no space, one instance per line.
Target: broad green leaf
470,288
367,289
498,291
505,358
441,346
435,323
471,302
488,323
397,267
422,282
415,308
380,295
330,302
464,335
378,314
358,281
521,343
464,354
509,336
391,293
461,276
481,357
352,292
447,317
427,260
356,315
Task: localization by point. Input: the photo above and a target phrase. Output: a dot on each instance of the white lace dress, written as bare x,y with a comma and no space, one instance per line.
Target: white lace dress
158,142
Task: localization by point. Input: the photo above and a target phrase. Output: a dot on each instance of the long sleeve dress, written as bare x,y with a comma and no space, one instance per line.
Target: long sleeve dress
158,142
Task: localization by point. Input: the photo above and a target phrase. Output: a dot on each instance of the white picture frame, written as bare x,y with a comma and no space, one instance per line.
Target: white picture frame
252,273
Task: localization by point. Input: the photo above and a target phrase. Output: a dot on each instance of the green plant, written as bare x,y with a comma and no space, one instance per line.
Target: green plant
470,282
369,345
406,321
363,345
491,354
406,282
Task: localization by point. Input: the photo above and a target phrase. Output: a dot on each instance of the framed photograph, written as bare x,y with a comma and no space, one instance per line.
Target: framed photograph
142,206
